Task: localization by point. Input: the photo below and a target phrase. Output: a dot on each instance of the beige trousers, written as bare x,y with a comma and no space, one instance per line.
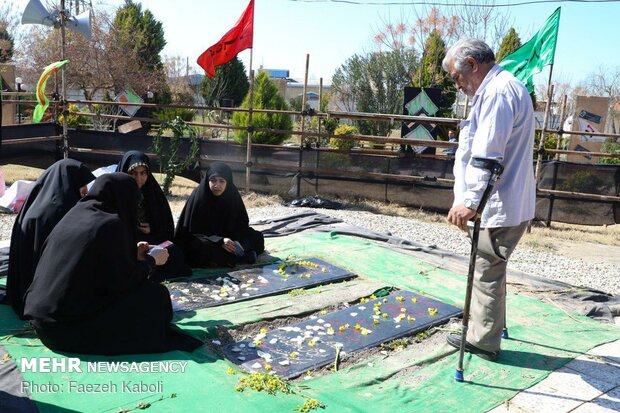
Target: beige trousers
488,301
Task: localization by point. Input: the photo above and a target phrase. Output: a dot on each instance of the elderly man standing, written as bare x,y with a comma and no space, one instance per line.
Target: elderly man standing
500,127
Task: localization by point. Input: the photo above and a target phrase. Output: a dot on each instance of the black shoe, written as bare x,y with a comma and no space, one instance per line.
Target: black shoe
454,339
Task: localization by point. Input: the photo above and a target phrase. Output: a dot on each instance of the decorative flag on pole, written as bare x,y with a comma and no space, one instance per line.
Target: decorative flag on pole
129,96
238,38
41,107
538,52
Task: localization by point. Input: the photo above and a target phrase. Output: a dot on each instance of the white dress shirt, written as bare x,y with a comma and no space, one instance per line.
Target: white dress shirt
500,126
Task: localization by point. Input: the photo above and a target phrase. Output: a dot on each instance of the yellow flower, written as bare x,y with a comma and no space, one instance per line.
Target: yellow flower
400,298
403,310
373,297
230,370
376,321
357,326
263,331
267,367
330,330
324,269
432,311
384,315
258,343
365,331
385,300
409,318
294,355
414,300
312,343
323,312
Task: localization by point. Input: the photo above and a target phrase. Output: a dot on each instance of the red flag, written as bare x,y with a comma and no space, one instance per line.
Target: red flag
237,39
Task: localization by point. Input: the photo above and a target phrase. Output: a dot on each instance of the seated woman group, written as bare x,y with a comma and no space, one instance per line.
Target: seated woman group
95,287
91,293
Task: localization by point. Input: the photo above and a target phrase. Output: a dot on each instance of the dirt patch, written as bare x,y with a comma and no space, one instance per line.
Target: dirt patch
589,251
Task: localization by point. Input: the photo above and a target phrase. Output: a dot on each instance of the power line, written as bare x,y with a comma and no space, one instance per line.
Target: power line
426,3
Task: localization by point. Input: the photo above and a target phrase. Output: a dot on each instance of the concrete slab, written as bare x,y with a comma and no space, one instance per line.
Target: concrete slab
607,403
610,351
598,367
540,398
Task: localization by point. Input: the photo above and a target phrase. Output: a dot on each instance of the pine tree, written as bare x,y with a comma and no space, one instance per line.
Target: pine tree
266,96
432,75
230,82
510,43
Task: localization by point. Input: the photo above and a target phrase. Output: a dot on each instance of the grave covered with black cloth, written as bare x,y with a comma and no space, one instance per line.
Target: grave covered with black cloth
252,283
292,350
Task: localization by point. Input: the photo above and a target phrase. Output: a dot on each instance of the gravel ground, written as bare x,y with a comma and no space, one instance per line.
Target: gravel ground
592,274
577,272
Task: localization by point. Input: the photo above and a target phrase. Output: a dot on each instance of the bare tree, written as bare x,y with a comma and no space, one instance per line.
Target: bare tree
102,64
178,73
606,82
483,21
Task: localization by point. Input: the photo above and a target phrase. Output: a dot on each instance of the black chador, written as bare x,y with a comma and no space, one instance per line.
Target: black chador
154,211
90,293
55,192
153,207
207,219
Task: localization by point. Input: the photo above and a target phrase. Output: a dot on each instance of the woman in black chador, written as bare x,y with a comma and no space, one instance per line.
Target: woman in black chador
90,292
213,228
55,192
155,223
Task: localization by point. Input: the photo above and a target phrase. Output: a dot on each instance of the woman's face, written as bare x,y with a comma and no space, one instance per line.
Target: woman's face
140,174
217,185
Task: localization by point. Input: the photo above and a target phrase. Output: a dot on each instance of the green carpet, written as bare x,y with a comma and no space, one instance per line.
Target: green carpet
543,339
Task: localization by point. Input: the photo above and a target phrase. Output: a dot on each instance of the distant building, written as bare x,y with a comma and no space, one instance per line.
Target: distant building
292,88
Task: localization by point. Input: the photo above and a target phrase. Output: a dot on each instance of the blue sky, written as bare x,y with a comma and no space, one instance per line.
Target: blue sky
285,31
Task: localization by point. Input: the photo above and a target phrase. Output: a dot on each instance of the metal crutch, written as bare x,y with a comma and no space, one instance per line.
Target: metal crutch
496,170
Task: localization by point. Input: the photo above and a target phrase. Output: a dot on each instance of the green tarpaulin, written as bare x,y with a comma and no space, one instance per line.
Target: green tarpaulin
544,338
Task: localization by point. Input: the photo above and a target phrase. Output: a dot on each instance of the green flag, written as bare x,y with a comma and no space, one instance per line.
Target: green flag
538,52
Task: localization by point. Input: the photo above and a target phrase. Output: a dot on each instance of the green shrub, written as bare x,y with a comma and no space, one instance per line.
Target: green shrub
585,181
610,147
170,114
167,150
74,121
266,96
550,143
330,125
344,144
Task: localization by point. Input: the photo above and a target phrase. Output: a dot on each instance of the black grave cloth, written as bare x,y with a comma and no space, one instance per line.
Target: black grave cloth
55,192
207,219
90,294
158,216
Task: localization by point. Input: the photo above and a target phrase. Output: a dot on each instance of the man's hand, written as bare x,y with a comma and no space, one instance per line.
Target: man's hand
459,215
